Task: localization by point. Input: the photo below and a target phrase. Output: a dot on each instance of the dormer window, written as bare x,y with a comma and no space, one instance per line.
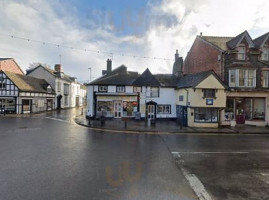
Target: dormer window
265,52
49,90
241,55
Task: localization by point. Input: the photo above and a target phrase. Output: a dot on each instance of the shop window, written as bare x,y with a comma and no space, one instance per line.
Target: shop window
265,52
164,109
209,93
265,79
206,115
154,92
258,109
121,89
102,88
229,110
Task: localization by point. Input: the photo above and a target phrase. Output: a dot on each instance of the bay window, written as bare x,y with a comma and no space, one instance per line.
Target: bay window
265,79
265,52
242,78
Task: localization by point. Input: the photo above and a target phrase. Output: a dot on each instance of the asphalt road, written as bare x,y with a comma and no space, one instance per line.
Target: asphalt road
50,157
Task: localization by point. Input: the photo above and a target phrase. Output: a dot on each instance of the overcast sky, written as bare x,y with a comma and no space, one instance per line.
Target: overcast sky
150,28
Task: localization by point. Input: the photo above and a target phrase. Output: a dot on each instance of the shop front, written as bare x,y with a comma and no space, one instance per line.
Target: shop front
9,104
246,110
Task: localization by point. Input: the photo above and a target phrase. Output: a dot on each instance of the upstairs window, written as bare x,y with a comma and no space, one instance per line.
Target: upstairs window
154,92
242,78
241,54
209,93
102,88
265,52
66,89
137,89
265,79
232,78
2,83
58,86
121,89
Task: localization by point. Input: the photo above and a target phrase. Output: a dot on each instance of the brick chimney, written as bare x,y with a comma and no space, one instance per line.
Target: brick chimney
178,65
58,68
109,66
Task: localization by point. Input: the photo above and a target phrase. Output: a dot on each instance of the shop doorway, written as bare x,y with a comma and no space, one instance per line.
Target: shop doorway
26,106
117,109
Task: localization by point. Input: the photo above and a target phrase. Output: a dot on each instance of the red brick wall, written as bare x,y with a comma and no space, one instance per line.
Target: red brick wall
11,66
202,57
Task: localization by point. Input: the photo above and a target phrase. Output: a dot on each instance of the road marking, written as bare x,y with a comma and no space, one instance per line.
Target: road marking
211,152
194,182
265,174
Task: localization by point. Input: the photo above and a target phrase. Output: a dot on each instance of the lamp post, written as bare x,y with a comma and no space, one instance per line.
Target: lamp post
90,69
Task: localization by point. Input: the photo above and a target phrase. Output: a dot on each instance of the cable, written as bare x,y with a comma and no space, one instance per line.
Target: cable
85,50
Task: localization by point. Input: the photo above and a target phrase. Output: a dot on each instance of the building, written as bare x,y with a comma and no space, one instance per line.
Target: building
9,64
21,94
68,90
122,93
243,64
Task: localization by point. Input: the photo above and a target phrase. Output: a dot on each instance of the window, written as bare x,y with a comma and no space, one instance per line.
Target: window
209,93
206,115
265,52
66,89
164,109
59,86
181,98
232,78
241,55
66,100
265,79
120,88
102,88
137,89
49,90
2,83
242,78
154,92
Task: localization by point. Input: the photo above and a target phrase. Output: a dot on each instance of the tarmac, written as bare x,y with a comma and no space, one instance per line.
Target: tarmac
162,127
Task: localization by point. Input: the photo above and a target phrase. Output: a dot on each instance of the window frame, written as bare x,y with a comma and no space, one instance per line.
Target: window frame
245,79
101,88
213,95
122,87
164,106
206,109
265,52
3,84
241,51
265,80
137,87
181,98
156,92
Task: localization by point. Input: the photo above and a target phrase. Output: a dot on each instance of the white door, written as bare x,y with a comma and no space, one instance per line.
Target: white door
151,111
117,109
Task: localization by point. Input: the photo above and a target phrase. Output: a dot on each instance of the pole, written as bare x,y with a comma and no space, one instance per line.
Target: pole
90,70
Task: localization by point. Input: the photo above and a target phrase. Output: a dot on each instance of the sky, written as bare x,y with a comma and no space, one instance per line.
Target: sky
83,34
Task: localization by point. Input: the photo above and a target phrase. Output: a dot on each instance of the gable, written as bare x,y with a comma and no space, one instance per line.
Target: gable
210,82
10,65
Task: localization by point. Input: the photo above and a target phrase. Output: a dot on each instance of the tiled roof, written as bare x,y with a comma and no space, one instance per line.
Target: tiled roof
192,80
28,83
146,79
167,80
219,42
260,40
9,64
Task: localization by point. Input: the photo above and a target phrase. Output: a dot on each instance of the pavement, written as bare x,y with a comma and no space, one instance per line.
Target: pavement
163,127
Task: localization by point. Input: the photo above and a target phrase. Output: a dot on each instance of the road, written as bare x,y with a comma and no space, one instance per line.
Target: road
50,157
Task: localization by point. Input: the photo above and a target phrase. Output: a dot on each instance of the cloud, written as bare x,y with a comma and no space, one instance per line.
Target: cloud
157,30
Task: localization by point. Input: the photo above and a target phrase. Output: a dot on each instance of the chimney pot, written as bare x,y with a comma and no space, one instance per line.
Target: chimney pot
109,66
58,68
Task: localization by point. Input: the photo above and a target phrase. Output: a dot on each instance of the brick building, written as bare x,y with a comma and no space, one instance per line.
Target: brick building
243,64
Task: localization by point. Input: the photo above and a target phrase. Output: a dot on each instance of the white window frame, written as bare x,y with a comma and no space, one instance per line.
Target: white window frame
102,88
265,75
154,92
164,109
265,52
246,76
120,89
241,54
137,89
59,85
232,73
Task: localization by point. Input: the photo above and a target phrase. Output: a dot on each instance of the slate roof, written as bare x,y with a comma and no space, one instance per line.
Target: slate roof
192,80
219,42
1,59
260,40
52,72
119,76
167,80
28,83
146,79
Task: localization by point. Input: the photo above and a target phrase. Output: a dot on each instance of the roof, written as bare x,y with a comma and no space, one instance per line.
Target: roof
119,76
219,42
146,79
167,80
9,64
192,80
52,72
28,83
261,40
233,43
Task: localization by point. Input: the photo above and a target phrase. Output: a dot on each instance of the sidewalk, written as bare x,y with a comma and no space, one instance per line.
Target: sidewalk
164,127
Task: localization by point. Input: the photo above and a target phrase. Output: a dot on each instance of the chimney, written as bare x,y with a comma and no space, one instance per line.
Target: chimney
109,66
176,55
201,33
58,68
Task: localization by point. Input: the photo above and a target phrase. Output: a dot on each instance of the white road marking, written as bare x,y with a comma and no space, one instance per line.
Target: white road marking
265,174
194,182
211,152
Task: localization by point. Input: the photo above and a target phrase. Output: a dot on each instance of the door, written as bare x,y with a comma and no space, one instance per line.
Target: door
182,115
151,111
49,104
26,105
117,109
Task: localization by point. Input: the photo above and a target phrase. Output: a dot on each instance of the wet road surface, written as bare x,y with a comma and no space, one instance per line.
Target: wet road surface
49,158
